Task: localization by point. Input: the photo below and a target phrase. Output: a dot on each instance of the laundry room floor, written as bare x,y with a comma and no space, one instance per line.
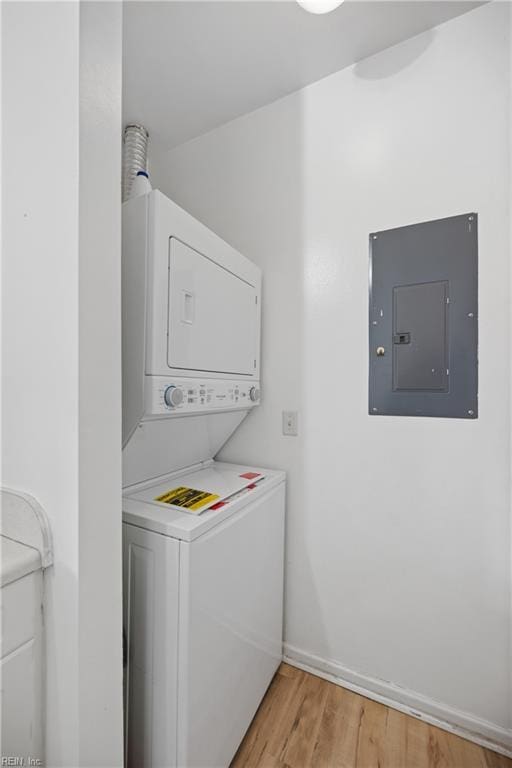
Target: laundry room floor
307,722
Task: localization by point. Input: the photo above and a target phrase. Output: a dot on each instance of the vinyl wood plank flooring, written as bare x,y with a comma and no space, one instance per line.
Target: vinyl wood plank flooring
307,722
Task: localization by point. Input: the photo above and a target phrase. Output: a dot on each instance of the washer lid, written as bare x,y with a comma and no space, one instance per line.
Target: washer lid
161,446
169,521
200,490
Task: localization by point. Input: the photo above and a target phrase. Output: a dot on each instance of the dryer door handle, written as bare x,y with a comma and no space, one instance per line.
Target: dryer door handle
188,306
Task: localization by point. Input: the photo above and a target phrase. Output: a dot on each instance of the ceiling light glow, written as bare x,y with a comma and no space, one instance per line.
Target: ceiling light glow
319,6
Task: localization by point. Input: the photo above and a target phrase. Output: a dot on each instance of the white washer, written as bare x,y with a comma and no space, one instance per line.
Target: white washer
203,607
203,540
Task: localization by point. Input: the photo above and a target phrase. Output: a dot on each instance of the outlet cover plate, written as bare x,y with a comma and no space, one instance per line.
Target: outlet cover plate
291,423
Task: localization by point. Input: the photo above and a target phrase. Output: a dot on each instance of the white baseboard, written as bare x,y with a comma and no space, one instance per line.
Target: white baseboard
411,703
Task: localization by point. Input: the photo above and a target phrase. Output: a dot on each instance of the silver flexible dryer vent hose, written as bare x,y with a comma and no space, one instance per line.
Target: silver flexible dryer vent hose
135,155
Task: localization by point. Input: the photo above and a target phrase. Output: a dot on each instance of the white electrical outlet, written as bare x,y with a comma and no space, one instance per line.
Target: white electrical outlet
291,423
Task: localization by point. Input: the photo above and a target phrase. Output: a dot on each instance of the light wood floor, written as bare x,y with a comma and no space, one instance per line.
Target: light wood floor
307,722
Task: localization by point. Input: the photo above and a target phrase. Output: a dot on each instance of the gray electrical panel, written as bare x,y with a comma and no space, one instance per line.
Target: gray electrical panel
424,319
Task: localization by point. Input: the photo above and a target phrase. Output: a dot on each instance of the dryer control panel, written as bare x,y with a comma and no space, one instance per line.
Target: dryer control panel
167,396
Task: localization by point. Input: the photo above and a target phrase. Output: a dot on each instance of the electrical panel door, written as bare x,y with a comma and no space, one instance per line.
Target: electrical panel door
423,319
420,340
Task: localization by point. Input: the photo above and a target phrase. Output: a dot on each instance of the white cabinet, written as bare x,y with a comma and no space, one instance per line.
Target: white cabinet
22,647
26,550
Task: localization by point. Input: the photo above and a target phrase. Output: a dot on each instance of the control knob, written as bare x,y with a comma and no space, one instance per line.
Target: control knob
254,394
173,396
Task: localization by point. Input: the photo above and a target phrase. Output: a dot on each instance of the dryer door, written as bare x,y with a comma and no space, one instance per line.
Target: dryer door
212,315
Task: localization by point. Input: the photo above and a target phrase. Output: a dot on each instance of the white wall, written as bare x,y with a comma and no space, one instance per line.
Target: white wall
391,577
61,346
99,303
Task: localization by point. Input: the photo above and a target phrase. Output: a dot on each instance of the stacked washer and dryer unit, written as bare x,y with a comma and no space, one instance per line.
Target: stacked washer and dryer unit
203,540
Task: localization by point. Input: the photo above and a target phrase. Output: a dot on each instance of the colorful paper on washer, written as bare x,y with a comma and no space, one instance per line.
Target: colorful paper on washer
188,498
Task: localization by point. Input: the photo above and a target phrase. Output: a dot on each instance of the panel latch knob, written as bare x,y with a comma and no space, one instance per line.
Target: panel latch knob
380,351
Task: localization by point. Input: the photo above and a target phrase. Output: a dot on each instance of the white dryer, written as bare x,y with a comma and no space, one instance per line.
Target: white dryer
203,540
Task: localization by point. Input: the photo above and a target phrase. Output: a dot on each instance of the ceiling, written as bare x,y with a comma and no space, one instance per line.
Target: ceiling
192,65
